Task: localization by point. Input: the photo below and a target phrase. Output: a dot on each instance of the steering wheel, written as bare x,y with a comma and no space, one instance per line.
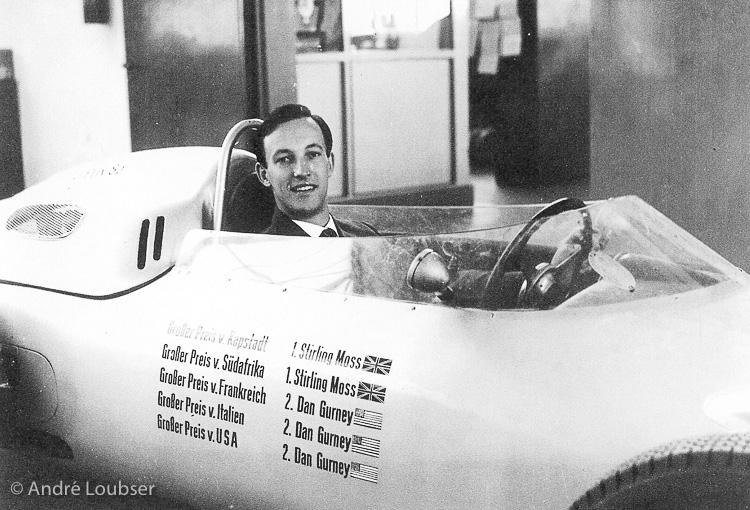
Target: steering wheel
549,285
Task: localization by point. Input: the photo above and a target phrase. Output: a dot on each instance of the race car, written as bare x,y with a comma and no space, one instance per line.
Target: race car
152,335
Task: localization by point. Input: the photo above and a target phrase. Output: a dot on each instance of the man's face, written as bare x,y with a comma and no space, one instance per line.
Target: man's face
298,170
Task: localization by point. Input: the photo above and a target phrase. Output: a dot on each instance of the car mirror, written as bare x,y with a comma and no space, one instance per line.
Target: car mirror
428,272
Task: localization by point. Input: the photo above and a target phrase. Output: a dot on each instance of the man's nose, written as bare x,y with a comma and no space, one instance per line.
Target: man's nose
301,168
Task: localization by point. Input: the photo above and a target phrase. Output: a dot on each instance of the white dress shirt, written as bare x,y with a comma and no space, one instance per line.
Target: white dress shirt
314,230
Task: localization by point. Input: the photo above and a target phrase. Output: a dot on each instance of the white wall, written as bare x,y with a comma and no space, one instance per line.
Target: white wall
72,85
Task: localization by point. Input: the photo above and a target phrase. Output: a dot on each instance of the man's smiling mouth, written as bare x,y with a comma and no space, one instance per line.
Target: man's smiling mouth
301,188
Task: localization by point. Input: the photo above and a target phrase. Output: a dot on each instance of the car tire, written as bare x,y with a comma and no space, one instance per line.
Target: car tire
700,473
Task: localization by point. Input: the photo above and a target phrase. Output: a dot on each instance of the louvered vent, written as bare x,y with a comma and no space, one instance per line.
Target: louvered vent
49,221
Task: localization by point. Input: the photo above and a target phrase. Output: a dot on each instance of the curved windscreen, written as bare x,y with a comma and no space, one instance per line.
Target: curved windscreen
488,258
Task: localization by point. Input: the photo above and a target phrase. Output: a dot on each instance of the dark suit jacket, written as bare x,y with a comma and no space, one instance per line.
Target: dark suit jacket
282,225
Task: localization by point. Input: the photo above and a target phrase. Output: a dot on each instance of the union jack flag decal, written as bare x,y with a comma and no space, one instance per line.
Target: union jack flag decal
377,365
371,392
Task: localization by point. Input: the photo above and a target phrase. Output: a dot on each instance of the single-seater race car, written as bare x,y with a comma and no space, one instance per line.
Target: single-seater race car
578,355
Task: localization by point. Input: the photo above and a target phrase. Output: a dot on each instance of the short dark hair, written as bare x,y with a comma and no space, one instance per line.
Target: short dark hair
281,115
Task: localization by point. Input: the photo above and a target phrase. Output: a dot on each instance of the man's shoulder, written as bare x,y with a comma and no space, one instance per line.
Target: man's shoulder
282,225
351,228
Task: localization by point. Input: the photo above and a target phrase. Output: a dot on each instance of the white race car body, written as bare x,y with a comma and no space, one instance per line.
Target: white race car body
261,372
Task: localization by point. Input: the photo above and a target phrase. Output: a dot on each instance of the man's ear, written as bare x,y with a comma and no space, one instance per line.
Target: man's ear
262,173
330,165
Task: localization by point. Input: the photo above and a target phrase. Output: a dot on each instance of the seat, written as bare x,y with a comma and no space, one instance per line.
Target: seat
248,204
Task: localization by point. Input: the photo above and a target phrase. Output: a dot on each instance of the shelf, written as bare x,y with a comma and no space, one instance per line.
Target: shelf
378,55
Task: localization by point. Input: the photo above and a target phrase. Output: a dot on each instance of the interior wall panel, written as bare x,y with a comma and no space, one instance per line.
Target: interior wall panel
670,113
398,101
186,71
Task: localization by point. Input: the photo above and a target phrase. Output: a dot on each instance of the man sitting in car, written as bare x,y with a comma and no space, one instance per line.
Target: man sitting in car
295,161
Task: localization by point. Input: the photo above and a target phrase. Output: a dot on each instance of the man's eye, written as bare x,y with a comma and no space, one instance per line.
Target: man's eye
314,155
286,160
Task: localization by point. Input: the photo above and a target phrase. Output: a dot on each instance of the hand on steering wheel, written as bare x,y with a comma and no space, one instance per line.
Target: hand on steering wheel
553,283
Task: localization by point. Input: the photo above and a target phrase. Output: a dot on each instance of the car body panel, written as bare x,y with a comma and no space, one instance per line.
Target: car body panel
104,254
544,409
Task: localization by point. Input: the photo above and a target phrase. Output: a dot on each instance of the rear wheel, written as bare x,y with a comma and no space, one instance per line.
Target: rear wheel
704,473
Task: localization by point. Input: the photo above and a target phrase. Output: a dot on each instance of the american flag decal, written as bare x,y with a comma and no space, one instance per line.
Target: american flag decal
371,392
366,446
377,365
369,419
364,472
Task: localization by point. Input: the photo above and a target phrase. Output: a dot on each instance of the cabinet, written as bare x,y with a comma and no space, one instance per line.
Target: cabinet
388,77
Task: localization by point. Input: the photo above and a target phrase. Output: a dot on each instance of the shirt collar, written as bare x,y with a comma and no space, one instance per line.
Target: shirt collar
314,230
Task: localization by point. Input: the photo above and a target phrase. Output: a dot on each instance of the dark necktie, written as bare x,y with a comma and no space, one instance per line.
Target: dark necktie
328,232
